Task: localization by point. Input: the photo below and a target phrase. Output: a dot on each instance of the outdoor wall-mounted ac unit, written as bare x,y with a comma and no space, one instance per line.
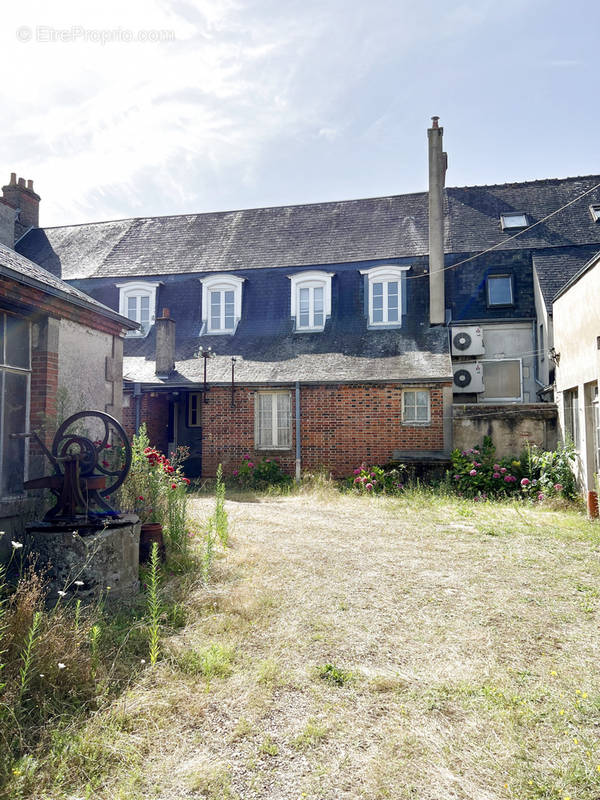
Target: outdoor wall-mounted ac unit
467,341
468,377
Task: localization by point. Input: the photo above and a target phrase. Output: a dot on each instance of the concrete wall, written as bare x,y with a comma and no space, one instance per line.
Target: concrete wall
576,330
544,365
90,365
510,426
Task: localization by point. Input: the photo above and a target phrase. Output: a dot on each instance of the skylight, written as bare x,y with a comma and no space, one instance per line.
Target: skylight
513,221
595,212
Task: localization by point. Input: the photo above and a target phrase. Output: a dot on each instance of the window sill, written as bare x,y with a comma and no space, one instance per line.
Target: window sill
416,423
272,448
382,326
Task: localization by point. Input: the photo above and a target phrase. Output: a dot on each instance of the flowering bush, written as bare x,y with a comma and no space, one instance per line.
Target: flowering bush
551,472
156,487
477,473
376,480
260,474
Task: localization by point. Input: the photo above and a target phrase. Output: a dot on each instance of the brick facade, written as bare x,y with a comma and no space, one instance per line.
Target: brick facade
341,425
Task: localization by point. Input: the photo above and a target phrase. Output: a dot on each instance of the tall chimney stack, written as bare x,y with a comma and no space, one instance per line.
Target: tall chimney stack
438,163
20,196
165,344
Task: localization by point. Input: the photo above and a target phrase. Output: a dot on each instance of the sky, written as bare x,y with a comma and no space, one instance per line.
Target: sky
129,108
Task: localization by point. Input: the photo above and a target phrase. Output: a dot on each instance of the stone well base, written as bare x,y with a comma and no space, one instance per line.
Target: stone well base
100,556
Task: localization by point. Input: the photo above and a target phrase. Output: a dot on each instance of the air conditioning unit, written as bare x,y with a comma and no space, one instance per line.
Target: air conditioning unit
467,341
468,377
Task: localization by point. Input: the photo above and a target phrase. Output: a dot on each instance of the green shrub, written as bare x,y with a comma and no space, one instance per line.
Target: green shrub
261,474
477,473
376,480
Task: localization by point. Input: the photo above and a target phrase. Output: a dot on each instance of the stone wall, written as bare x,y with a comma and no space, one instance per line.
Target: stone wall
510,426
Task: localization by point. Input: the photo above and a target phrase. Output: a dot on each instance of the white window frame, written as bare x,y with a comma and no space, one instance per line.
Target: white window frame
405,393
221,283
138,289
595,212
507,225
274,421
390,273
518,399
314,279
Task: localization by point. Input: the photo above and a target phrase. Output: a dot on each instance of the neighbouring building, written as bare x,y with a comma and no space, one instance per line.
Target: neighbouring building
379,329
60,351
576,313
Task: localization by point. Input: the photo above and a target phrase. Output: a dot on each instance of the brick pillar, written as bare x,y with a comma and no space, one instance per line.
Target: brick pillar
44,377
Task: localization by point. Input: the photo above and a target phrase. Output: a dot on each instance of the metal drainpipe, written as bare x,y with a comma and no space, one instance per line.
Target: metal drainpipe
298,450
137,393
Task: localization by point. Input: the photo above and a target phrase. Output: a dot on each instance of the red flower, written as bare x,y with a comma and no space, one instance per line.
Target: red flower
186,480
140,497
173,486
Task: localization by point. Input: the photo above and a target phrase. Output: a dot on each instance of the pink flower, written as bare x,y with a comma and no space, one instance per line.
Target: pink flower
473,472
457,477
246,457
496,467
507,478
235,472
525,481
496,475
372,474
541,496
369,486
267,460
357,472
503,470
251,464
356,480
476,464
558,487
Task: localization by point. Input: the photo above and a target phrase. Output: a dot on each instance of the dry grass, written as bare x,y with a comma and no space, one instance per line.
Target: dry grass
468,635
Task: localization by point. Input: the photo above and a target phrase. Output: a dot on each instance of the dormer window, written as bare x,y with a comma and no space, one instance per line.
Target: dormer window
221,303
384,295
137,300
595,212
511,221
310,299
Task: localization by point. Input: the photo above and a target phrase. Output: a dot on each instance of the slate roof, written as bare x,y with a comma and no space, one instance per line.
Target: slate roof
15,266
310,358
557,267
319,233
593,262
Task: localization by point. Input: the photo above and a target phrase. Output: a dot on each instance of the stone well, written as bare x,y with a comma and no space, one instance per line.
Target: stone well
99,554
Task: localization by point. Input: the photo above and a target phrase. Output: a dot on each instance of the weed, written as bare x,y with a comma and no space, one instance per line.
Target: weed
334,675
214,661
268,747
208,549
27,656
153,603
220,518
312,733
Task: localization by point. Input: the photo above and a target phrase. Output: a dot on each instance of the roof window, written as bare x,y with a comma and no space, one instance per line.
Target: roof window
509,221
595,212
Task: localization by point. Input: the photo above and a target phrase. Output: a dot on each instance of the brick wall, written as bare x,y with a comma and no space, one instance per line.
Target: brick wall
341,425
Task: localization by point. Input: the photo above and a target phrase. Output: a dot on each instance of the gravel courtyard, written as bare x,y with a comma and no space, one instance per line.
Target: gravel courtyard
377,648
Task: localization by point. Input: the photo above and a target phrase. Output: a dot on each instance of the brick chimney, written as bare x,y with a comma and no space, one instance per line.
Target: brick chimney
165,344
20,196
438,163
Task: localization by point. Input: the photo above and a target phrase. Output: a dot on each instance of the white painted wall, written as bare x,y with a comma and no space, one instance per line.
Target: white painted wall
576,316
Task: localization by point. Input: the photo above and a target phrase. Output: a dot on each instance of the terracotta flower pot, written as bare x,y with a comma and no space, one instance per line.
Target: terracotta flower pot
151,532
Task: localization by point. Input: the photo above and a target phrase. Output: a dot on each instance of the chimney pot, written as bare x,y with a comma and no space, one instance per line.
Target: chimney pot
435,122
22,182
165,344
13,178
30,185
166,313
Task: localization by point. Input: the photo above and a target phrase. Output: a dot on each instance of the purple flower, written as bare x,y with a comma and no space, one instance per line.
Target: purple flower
525,482
457,477
357,472
465,452
473,472
496,475
235,472
246,457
